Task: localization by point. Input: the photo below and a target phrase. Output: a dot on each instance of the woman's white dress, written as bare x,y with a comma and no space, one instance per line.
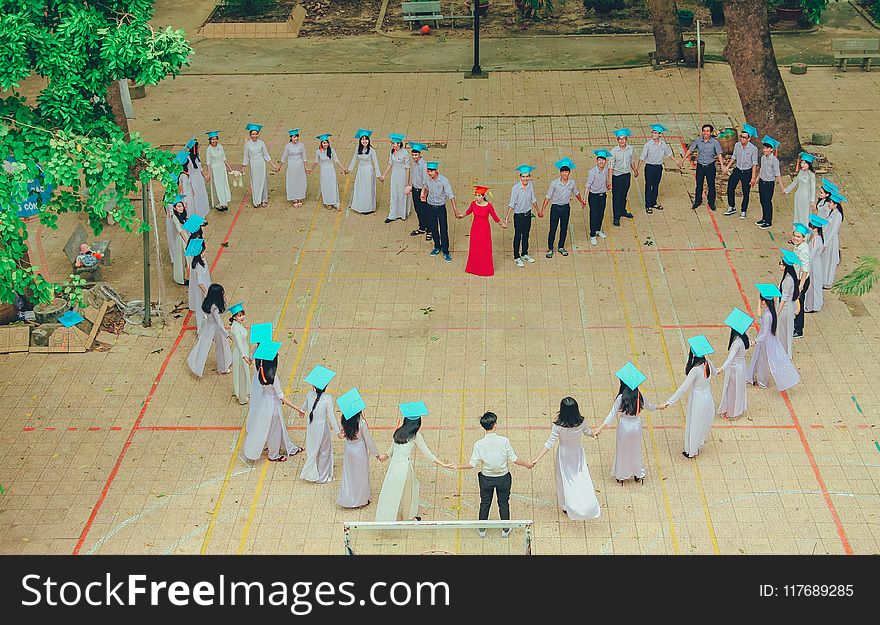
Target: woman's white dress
319,452
215,158
769,357
400,162
574,486
785,317
265,422
256,157
199,189
363,198
733,391
241,370
354,489
628,453
701,407
329,184
295,157
176,245
185,188
831,257
399,498
213,331
804,197
814,298
198,275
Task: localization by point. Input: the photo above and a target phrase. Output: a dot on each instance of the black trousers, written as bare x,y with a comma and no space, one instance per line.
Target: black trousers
421,209
559,214
619,190
653,174
743,178
488,487
705,173
799,317
522,225
765,192
596,201
439,227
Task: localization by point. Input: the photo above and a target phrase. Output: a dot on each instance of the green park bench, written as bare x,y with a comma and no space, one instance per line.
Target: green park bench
421,12
864,49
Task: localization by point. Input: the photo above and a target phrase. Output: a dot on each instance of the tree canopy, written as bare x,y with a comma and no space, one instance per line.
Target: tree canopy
69,138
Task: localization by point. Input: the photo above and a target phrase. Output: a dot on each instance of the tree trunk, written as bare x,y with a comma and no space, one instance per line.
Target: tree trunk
758,80
114,99
667,32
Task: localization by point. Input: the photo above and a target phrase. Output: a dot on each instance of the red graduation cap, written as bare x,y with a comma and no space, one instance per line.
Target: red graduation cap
481,190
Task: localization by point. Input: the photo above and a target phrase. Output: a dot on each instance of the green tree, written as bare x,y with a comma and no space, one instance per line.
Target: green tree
70,136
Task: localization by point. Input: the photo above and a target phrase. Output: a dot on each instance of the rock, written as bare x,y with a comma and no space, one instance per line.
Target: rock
40,335
49,313
821,138
798,68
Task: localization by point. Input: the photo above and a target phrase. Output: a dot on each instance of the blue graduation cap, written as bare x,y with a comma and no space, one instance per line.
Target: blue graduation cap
433,164
267,350
413,410
70,318
828,185
564,162
181,157
213,133
789,257
293,131
769,291
397,137
659,128
257,127
350,403
750,130
768,140
178,198
799,227
739,320
320,377
191,143
194,247
324,137
362,133
261,333
236,308
819,222
631,376
622,132
602,153
418,147
837,197
806,156
700,345
525,169
193,223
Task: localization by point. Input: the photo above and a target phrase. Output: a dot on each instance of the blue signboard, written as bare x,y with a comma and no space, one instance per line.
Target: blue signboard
38,193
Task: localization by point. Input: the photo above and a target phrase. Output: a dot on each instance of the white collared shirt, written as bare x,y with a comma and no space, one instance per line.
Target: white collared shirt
493,455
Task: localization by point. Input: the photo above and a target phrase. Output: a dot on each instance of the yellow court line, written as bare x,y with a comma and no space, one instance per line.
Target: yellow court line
694,464
215,514
296,363
676,549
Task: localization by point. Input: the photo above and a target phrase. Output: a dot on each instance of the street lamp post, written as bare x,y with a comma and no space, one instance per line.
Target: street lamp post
476,70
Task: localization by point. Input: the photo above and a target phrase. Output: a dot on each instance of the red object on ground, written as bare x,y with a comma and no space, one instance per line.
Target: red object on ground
426,29
479,260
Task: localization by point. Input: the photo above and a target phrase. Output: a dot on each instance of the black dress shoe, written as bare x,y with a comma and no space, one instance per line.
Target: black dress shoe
695,206
685,454
388,221
615,223
712,208
627,215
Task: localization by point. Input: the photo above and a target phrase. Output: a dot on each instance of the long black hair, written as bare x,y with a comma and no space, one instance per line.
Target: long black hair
266,370
694,361
194,155
837,205
318,393
351,426
631,401
329,148
819,231
569,415
743,337
771,306
198,260
788,270
181,216
232,318
361,148
216,297
396,144
407,430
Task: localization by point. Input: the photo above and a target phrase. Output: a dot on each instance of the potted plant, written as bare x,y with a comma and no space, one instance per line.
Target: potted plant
603,8
685,18
689,51
789,11
482,7
716,10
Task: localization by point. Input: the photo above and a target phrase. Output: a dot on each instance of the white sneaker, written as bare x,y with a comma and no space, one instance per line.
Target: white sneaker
528,258
482,533
519,262
505,533
602,234
594,241
742,215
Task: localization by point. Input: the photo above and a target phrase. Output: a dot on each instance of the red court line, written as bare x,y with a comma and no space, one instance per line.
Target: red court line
443,428
841,533
134,429
475,329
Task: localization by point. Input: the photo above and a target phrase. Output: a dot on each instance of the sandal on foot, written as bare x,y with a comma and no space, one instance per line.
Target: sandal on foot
549,254
649,210
563,252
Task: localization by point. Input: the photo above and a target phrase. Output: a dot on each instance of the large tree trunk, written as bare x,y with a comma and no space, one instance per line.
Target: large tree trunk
667,32
753,64
114,99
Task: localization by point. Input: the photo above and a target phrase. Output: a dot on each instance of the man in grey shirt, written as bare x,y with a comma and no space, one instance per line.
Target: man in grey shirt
559,197
622,168
522,201
418,174
768,176
653,153
436,193
744,163
708,152
598,185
